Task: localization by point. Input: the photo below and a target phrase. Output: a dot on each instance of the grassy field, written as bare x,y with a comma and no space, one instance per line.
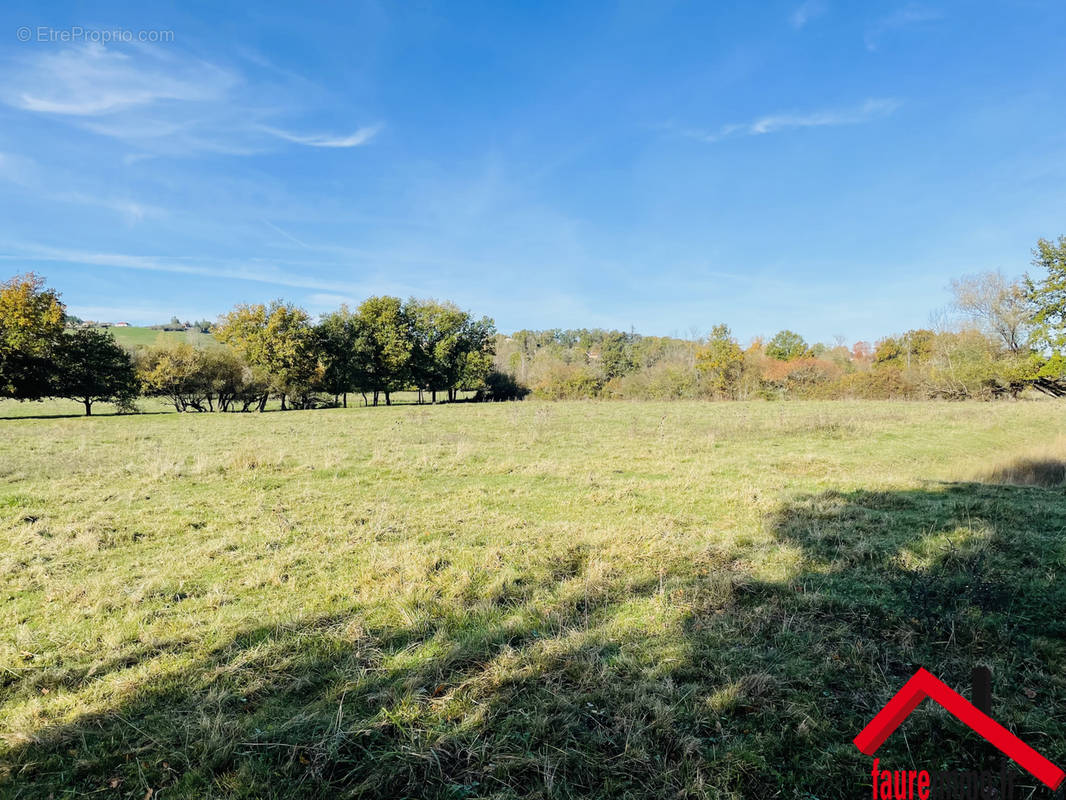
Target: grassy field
620,600
134,336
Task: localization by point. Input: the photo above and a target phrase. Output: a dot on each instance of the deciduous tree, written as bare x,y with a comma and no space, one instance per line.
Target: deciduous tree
342,347
387,345
999,306
786,345
31,327
1047,298
92,367
281,341
721,362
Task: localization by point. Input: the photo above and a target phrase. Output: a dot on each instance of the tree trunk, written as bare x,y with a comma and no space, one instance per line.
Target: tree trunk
365,403
283,403
88,407
434,397
388,400
345,399
375,397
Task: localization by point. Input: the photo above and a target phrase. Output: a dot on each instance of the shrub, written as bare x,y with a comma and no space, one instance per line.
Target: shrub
500,386
801,377
667,380
567,382
876,384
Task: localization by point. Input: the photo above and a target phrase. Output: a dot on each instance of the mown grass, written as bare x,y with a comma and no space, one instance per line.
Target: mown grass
526,600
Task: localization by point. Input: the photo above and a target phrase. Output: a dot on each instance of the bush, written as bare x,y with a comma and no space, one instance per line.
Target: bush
500,386
568,383
800,377
876,384
667,380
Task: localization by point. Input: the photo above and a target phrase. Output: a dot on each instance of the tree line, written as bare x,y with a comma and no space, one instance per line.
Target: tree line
1006,336
1000,337
258,352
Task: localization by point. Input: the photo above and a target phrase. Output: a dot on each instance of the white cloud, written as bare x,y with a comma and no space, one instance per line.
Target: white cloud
360,137
911,14
253,270
161,101
868,110
806,12
94,80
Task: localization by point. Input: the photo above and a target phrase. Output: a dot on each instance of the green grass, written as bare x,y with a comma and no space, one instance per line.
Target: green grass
614,600
134,336
54,407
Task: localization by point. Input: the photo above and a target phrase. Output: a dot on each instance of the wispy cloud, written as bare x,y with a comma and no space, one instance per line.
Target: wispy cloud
94,80
806,12
911,14
163,101
25,173
259,271
773,123
286,234
360,137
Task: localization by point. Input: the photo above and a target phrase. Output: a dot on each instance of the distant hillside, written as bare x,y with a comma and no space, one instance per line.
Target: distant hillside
134,336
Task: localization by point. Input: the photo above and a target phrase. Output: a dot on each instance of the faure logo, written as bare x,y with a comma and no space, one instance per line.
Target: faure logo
920,784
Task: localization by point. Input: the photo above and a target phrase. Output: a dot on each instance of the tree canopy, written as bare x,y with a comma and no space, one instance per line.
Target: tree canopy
1047,297
280,341
92,367
721,361
32,320
786,345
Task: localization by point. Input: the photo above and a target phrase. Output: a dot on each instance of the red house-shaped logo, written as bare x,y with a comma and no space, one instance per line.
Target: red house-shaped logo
924,684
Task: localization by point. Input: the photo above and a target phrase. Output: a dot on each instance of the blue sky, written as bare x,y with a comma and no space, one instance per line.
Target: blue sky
663,166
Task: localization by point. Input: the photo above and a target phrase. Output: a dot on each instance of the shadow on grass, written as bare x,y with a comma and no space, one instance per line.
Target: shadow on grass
94,415
98,414
699,680
1047,472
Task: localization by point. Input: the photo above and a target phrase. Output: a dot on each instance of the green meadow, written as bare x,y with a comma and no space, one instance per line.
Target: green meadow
573,599
134,336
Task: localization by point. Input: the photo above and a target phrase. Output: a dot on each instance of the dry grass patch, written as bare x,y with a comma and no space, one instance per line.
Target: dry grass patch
1044,466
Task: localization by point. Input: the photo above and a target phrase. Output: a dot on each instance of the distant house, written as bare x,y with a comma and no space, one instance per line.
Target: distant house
122,324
